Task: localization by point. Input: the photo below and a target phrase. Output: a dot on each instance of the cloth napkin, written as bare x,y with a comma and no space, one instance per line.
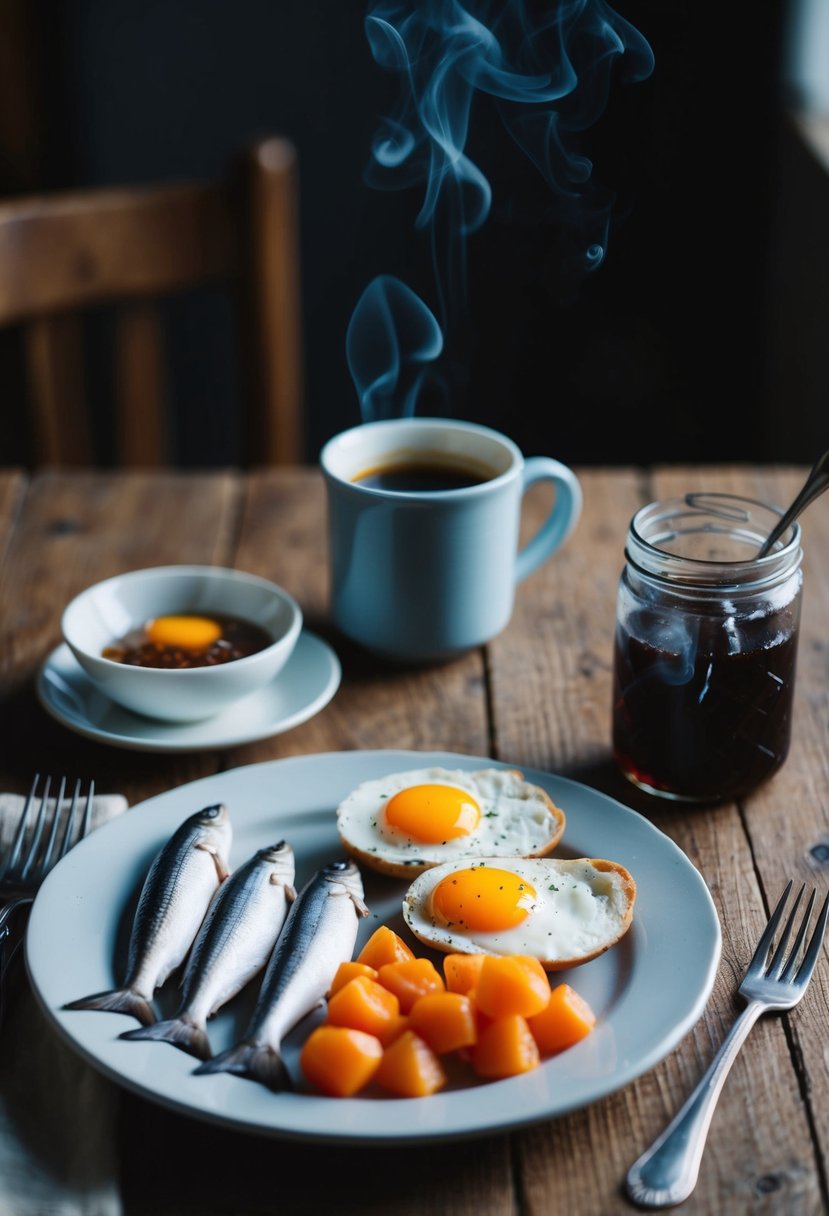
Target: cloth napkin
58,1116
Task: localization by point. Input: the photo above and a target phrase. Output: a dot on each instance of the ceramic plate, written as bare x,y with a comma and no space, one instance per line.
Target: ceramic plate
303,687
647,992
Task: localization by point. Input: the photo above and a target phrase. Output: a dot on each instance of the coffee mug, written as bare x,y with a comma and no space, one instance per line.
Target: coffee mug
423,524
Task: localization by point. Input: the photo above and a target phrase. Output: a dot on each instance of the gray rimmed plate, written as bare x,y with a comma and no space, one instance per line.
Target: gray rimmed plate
81,918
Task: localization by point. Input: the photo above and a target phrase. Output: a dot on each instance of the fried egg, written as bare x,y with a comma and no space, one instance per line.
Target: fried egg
561,912
404,823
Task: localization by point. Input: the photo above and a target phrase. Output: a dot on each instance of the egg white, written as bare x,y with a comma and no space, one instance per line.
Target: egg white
582,908
518,819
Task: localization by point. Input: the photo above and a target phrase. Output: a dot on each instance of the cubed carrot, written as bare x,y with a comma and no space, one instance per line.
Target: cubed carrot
349,971
410,1068
384,946
505,1048
365,1005
567,1019
461,971
512,984
411,979
340,1061
445,1020
395,1028
482,1020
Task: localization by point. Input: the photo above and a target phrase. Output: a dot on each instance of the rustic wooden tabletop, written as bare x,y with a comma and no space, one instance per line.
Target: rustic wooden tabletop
538,696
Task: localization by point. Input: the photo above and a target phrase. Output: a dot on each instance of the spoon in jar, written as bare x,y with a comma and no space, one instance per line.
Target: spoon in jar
814,485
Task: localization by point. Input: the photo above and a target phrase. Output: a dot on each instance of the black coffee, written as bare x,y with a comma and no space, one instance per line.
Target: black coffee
415,477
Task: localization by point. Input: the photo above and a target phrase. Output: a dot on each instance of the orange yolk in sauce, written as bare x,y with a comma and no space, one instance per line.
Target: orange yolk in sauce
483,898
186,632
433,813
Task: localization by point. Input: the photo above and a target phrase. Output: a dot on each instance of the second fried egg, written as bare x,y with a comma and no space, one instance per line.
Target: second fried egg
405,823
563,913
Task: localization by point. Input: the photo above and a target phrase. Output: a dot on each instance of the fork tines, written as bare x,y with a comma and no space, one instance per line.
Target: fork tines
42,849
777,966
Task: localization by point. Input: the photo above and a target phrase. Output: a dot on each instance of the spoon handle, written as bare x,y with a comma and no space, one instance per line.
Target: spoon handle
815,484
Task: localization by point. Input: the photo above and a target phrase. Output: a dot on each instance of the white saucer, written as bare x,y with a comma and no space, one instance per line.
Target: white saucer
305,684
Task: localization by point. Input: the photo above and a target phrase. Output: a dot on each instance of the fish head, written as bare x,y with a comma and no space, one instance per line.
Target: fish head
280,858
212,816
214,822
344,871
272,852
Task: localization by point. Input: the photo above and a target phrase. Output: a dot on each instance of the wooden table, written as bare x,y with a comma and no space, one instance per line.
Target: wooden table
538,696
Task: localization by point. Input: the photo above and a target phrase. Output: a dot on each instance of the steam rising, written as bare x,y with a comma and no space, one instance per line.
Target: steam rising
547,69
386,373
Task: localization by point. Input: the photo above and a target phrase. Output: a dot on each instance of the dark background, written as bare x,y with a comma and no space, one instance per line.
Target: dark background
696,339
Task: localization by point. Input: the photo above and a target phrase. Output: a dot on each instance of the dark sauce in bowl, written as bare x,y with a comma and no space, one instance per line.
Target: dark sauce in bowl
237,639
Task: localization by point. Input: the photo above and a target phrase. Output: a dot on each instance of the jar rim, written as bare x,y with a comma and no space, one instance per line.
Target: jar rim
713,514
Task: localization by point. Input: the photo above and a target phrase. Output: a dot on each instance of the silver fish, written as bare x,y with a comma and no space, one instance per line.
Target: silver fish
233,944
174,899
319,934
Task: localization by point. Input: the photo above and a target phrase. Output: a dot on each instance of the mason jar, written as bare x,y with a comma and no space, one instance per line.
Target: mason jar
705,649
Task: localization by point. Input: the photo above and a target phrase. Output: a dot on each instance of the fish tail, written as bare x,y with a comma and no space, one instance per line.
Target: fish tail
120,1000
182,1032
255,1060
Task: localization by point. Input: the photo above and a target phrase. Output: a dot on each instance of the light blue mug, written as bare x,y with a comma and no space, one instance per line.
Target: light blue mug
422,575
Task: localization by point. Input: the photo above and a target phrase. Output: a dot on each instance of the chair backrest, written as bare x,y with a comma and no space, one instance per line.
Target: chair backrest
66,252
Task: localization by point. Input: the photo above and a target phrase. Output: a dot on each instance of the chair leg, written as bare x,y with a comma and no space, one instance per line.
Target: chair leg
141,437
54,362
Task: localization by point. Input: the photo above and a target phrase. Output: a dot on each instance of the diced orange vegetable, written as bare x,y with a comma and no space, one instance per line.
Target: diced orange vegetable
461,971
349,971
567,1019
446,1020
392,1015
363,1004
410,980
512,984
410,1068
384,946
395,1028
340,1061
505,1048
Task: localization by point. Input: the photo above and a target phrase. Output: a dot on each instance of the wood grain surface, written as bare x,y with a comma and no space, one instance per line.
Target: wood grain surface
538,696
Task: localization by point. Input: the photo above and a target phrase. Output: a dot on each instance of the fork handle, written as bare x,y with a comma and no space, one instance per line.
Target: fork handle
7,910
666,1173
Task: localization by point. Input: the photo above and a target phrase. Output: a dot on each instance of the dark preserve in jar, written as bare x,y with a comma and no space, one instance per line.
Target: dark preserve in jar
705,649
713,725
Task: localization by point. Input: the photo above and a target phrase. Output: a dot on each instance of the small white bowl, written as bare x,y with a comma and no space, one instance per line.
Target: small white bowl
109,610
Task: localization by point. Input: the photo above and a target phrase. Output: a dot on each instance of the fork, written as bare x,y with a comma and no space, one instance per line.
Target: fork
24,869
666,1173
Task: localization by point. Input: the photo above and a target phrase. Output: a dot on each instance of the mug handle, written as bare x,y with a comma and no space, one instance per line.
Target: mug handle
562,518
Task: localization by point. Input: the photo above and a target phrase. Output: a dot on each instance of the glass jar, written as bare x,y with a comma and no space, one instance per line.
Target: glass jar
705,648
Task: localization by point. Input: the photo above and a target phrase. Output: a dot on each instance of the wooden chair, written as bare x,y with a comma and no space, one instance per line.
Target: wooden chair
66,252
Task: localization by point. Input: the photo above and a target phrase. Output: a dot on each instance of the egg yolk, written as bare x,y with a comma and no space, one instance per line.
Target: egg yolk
433,813
187,632
483,898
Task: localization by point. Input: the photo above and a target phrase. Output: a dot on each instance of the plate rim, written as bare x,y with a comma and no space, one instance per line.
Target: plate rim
609,1084
159,744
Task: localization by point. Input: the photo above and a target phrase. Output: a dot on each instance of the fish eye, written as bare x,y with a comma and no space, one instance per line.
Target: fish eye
339,866
212,812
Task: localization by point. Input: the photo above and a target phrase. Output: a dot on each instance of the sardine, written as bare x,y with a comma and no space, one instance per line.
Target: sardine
320,933
174,899
233,944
